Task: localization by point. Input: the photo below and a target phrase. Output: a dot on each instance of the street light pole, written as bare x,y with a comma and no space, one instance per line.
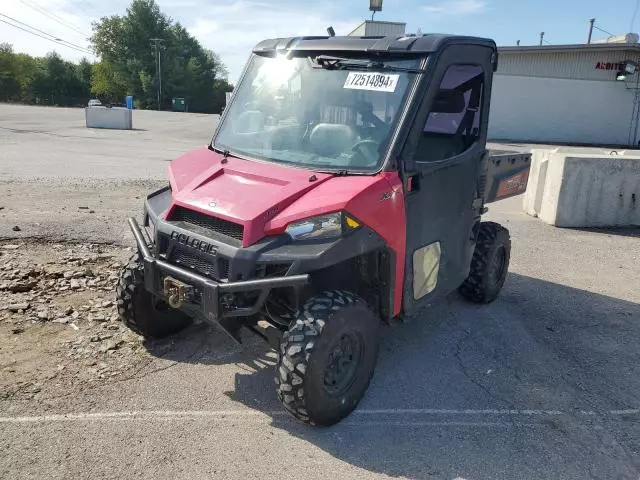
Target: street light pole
591,22
160,80
157,45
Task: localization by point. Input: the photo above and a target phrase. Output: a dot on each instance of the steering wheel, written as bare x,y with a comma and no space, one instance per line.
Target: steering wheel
368,149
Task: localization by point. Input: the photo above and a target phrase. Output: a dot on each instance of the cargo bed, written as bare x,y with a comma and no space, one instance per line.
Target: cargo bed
506,174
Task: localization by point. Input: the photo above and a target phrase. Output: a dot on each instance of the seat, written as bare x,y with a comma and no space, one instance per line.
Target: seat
285,138
435,146
331,139
249,121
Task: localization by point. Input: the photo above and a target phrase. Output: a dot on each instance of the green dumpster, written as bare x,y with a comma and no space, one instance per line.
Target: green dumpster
178,104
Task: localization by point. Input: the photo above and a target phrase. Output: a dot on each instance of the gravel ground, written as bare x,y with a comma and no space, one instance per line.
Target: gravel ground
543,383
57,300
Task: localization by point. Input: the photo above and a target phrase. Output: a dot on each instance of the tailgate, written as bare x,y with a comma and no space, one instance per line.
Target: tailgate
506,175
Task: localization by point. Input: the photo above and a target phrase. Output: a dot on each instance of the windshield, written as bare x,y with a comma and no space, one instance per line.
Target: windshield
315,114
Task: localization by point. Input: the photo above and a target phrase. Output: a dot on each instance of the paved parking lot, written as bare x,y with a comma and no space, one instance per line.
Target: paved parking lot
543,383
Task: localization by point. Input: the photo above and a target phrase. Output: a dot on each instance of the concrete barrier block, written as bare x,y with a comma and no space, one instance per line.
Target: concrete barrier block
552,188
584,190
532,198
599,192
103,117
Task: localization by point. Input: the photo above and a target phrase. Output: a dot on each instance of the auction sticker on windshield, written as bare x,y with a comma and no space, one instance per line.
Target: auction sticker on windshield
379,82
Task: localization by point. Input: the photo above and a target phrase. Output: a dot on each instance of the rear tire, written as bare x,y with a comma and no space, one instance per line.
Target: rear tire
141,311
327,358
489,265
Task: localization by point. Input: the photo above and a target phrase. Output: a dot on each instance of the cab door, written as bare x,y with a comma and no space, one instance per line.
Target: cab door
442,156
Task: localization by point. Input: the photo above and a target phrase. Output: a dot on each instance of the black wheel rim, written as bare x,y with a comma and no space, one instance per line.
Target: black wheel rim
342,364
498,265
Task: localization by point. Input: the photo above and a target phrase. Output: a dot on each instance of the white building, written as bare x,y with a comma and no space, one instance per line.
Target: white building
566,94
559,93
372,28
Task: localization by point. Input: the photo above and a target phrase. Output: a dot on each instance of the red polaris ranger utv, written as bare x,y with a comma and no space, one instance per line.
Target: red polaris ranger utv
343,188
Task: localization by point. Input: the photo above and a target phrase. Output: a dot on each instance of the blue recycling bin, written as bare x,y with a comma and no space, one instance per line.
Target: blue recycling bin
129,101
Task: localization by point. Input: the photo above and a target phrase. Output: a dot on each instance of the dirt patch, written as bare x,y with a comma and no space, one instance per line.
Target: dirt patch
59,328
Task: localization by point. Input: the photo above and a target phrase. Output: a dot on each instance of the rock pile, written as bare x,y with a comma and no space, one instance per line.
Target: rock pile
36,291
61,299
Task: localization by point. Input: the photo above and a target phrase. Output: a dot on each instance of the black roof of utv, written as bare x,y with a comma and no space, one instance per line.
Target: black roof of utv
409,45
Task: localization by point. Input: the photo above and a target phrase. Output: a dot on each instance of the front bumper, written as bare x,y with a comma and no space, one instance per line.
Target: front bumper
218,267
209,292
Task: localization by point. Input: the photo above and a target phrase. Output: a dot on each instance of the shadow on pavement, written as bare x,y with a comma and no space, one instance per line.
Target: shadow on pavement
633,232
540,347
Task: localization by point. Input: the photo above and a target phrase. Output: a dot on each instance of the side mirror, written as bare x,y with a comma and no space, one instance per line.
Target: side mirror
408,165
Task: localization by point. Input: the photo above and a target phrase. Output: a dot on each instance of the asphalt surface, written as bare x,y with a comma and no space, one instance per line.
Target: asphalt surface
543,383
52,166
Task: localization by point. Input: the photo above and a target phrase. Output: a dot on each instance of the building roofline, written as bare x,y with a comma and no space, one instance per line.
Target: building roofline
593,47
357,27
385,22
364,22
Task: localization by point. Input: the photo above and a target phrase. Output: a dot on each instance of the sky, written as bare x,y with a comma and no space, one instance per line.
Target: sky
232,27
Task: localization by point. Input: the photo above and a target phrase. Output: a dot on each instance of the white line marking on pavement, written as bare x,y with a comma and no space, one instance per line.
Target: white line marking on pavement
419,423
143,414
431,411
267,415
632,411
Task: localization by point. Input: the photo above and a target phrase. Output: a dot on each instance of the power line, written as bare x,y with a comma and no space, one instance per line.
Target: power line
602,30
53,37
633,17
58,41
53,17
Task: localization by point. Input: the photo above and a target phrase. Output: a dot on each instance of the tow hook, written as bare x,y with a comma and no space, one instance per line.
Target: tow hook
177,292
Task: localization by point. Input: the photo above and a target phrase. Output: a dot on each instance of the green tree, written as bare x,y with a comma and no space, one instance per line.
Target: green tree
27,68
220,87
83,72
187,69
9,83
127,66
49,80
106,83
58,82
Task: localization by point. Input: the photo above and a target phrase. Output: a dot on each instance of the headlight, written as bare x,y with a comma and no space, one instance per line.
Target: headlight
332,225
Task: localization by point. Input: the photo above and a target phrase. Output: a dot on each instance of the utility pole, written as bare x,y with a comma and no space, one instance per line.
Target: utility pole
541,38
157,46
591,22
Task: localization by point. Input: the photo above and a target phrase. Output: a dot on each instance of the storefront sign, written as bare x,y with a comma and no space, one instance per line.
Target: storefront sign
610,66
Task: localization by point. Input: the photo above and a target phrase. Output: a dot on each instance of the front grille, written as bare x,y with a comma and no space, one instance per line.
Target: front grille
272,269
212,224
215,268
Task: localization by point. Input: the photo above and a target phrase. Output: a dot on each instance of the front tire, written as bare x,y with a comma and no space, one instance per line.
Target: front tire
327,358
141,311
489,265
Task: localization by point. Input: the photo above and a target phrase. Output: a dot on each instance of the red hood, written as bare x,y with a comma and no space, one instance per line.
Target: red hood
241,191
266,197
